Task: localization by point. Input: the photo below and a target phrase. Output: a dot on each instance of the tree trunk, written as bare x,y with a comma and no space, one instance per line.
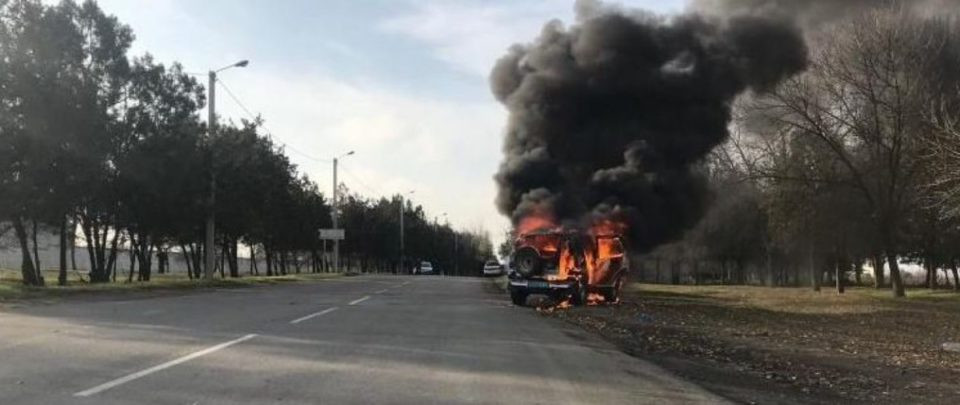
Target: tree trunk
36,251
28,271
196,251
956,275
269,255
73,244
145,256
186,260
253,261
815,273
933,274
895,280
858,270
230,250
133,264
840,271
91,253
62,276
235,258
110,266
878,278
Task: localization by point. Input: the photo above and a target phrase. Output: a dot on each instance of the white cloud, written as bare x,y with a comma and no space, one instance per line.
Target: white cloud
472,36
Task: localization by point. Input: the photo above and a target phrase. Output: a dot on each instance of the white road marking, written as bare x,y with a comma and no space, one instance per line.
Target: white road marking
313,315
143,373
381,291
355,302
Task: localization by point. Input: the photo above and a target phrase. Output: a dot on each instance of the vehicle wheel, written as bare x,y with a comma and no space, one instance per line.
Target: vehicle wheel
579,297
527,262
519,298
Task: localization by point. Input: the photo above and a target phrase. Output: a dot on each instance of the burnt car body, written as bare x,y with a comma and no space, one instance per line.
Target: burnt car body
567,264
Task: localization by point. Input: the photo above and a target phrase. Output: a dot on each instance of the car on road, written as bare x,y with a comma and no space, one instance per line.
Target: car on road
492,268
426,268
563,264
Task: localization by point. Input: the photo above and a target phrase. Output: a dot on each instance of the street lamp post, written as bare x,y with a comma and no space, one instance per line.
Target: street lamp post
401,229
438,239
211,231
334,214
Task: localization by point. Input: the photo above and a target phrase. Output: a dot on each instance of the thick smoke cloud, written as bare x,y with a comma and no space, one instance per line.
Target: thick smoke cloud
609,117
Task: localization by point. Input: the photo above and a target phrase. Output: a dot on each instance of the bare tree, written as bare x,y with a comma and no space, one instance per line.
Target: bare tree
861,106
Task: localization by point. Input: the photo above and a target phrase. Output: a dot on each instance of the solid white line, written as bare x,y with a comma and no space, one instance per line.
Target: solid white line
355,302
381,291
313,315
143,373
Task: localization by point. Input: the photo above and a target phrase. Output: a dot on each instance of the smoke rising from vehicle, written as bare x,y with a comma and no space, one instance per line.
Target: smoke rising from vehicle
609,118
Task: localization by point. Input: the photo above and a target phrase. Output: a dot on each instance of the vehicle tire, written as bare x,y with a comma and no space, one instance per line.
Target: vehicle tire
519,298
527,262
579,296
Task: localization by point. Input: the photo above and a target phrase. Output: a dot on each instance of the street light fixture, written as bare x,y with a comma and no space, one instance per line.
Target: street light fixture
210,240
333,212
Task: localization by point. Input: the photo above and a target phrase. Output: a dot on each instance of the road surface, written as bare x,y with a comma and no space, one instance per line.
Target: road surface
403,340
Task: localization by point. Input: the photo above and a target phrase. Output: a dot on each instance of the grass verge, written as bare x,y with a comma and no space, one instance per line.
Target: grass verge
11,288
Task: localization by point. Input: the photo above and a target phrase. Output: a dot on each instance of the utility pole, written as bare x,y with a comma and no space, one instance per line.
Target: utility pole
209,247
401,235
402,258
335,214
336,206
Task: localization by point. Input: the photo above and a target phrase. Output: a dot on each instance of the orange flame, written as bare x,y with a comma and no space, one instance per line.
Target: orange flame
595,299
535,222
608,227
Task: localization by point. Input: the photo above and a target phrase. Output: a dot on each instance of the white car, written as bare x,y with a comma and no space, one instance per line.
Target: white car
492,268
426,268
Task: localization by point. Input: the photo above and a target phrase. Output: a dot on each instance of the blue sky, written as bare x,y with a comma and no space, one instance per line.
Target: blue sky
403,83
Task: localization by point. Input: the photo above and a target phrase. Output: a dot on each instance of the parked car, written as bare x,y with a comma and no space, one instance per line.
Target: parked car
567,264
426,268
492,268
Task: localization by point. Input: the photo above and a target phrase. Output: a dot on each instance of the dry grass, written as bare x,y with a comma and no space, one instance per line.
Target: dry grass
857,300
863,345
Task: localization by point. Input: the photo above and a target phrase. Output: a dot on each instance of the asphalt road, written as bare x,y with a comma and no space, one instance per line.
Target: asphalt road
404,340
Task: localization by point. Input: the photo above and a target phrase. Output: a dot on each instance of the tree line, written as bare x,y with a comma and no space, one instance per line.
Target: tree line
854,163
97,143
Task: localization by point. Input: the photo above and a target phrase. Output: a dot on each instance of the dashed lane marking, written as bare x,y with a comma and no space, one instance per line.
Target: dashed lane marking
313,315
143,373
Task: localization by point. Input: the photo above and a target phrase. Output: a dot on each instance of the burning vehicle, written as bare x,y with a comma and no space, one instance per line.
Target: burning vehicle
611,121
584,267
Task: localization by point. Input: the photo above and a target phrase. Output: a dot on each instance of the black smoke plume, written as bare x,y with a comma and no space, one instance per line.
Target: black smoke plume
610,117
